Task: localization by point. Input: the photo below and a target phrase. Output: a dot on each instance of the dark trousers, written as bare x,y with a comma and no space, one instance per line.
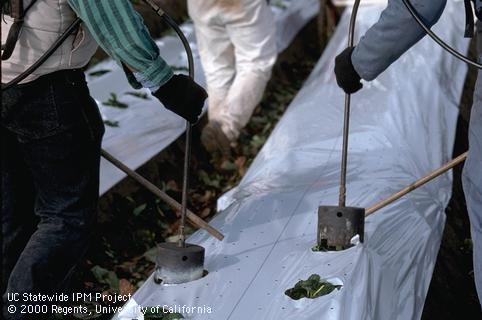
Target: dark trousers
51,132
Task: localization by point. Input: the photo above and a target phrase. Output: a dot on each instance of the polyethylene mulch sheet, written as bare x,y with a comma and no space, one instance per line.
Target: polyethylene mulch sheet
402,127
137,133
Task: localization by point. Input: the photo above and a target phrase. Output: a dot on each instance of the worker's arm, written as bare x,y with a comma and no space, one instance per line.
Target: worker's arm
121,32
394,33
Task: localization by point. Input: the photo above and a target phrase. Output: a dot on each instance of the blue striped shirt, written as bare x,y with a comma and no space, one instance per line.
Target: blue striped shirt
121,32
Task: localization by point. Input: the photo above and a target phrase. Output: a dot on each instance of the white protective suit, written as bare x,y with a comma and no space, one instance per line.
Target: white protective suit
237,45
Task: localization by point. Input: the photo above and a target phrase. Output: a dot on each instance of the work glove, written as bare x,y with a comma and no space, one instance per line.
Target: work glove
182,96
346,75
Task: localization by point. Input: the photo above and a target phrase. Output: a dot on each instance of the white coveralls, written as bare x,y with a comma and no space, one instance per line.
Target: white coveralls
237,45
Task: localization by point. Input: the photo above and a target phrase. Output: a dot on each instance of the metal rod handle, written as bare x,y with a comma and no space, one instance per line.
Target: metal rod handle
346,120
193,218
185,186
435,38
187,153
432,175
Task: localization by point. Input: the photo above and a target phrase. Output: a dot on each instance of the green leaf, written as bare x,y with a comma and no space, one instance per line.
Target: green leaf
109,123
107,277
279,4
311,288
257,141
208,180
113,102
228,166
151,254
152,313
140,95
316,248
137,211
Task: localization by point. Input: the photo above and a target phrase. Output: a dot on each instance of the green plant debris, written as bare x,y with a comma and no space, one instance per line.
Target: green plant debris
151,313
137,211
323,247
106,277
312,288
317,248
113,102
228,166
279,4
110,123
151,254
468,245
99,73
140,95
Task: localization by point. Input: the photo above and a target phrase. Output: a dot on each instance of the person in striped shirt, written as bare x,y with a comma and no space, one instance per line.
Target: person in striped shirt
52,131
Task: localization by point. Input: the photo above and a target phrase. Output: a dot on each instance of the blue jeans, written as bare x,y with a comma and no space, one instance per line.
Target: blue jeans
51,132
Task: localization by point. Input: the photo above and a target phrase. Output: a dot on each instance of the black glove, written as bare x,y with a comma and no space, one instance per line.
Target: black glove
346,75
182,96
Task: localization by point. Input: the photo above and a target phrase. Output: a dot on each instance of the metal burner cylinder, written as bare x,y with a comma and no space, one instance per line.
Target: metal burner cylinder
176,264
338,225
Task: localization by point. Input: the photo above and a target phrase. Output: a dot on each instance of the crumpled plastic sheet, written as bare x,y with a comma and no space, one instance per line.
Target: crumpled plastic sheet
402,127
145,128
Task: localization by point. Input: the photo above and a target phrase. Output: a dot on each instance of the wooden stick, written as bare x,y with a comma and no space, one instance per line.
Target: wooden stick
194,219
446,167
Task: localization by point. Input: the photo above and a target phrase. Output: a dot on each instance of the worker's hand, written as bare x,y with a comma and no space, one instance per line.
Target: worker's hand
182,96
346,75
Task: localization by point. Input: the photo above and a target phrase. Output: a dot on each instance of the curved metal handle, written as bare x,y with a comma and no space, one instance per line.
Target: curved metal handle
435,38
346,121
187,151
